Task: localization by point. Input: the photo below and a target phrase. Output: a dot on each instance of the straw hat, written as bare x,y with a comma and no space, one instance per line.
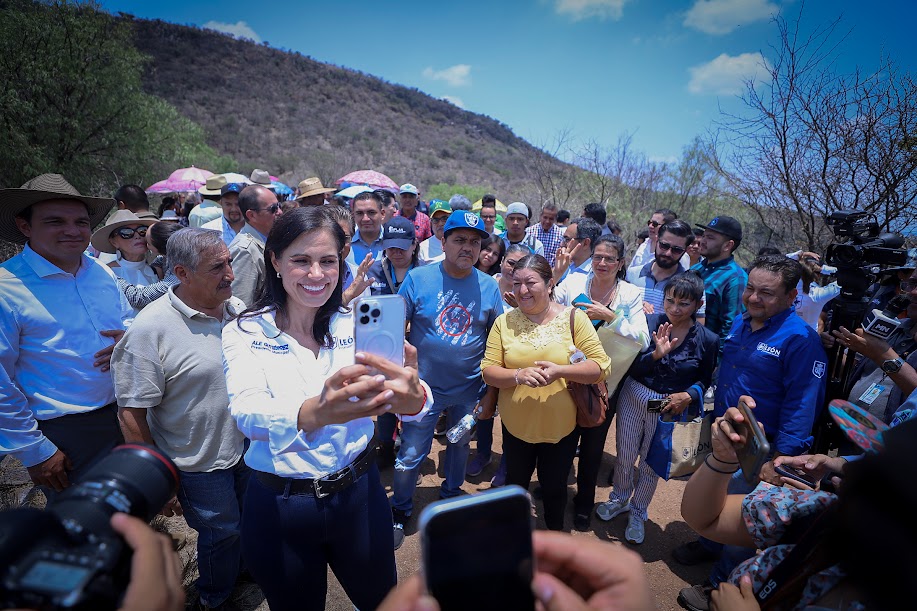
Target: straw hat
312,186
39,189
121,218
213,185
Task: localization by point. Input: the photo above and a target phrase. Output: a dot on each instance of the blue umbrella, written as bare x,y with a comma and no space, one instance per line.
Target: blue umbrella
281,189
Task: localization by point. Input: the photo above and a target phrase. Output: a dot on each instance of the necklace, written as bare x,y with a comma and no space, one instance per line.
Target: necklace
609,295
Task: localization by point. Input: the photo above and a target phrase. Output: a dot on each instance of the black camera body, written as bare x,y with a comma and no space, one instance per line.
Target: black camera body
68,557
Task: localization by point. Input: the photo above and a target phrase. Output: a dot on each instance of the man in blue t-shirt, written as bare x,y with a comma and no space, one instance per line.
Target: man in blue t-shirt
451,307
773,356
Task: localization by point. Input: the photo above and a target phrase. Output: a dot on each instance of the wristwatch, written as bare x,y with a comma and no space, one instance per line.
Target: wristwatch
892,365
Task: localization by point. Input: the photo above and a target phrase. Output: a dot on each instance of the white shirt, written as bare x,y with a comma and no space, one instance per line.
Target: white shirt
627,304
430,251
269,375
223,227
49,330
204,212
809,305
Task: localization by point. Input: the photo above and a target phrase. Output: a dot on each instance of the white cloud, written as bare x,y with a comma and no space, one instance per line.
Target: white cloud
455,101
457,75
586,9
240,29
726,75
723,16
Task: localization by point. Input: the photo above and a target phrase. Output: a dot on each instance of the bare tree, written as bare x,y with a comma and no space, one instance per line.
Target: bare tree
812,140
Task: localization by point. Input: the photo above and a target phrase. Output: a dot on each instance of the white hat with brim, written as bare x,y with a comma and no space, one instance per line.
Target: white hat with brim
121,218
43,188
214,185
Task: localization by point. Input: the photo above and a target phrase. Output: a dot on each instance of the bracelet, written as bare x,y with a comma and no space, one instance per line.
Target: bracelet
424,402
712,468
725,462
516,376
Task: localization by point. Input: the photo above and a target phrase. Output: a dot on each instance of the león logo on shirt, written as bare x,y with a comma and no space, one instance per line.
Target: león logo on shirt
818,369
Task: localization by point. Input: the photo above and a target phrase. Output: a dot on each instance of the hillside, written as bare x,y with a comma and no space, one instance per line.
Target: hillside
296,116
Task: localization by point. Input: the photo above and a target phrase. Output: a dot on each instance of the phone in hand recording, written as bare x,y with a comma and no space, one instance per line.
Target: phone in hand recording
799,475
655,406
582,299
379,327
477,550
756,451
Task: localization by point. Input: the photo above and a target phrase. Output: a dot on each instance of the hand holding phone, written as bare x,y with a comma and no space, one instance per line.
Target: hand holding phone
655,406
379,327
477,550
800,475
755,450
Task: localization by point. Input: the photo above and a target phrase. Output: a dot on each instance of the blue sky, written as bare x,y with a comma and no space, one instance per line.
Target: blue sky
598,68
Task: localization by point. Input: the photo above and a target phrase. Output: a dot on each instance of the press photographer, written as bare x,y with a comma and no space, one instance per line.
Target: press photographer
82,551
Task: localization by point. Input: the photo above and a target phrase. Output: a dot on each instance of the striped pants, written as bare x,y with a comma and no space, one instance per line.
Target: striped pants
634,432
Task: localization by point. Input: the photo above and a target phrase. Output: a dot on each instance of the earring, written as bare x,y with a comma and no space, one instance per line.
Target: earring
278,274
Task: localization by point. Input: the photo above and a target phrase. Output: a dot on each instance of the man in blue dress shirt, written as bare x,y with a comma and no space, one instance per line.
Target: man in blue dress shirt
773,356
61,313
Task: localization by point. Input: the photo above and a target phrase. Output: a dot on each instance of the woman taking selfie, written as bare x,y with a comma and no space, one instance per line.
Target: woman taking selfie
530,356
677,367
305,400
615,308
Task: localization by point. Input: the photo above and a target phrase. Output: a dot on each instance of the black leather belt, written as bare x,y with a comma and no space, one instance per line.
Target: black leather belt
326,485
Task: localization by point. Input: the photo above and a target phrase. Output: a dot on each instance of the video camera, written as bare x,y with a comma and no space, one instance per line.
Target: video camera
68,557
858,254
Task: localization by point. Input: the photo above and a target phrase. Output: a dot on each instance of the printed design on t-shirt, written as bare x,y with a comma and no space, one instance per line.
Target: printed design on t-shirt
342,342
819,368
454,318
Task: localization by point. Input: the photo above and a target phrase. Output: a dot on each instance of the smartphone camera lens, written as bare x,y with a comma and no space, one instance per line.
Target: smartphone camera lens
364,307
364,320
376,313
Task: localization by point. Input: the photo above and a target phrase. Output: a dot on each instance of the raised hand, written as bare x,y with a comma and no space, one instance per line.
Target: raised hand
664,342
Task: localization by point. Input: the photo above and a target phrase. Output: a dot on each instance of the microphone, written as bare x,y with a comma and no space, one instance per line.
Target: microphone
882,323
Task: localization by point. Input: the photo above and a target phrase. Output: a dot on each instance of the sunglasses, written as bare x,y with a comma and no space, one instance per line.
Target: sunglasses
677,250
653,223
273,208
127,233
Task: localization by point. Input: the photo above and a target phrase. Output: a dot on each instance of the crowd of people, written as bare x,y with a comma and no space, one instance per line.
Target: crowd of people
224,336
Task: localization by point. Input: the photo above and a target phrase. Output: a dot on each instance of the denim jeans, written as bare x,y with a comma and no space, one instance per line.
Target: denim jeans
731,556
290,540
416,441
212,503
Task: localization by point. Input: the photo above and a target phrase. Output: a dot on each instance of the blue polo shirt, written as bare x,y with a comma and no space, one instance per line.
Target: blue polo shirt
359,248
782,366
724,283
653,290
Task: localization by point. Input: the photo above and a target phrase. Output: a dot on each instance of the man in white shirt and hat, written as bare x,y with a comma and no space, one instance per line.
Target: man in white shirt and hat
209,209
312,192
259,207
61,313
232,221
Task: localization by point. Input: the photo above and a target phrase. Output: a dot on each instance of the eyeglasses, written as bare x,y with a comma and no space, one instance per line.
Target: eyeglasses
677,250
653,223
565,239
127,233
273,208
439,220
487,217
908,285
600,259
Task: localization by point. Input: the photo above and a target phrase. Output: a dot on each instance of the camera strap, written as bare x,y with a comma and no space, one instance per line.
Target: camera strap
797,565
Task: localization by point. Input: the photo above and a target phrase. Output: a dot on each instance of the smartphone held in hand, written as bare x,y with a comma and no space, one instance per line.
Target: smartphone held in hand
477,550
379,327
655,406
756,451
798,475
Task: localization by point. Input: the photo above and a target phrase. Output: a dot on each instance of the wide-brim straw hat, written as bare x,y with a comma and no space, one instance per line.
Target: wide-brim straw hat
40,189
312,186
121,218
213,185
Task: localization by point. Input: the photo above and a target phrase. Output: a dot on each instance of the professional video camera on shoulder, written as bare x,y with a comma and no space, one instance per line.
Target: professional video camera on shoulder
68,557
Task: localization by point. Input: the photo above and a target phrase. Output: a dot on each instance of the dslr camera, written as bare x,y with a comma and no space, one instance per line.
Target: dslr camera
68,556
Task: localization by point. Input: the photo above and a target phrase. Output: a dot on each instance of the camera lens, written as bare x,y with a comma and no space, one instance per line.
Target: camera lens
364,320
364,307
134,478
376,313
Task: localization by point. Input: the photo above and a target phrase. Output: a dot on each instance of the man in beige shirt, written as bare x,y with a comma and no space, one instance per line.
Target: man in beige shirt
259,208
171,391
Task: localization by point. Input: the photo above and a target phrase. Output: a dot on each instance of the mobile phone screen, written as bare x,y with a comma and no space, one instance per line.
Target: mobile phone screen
796,474
479,556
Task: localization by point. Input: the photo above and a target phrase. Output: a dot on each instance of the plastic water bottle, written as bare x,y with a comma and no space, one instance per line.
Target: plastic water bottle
463,427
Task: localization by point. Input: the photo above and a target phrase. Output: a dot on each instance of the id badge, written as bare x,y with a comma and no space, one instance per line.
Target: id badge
871,394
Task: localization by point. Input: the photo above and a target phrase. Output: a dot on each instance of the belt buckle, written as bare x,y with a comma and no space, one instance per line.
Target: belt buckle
329,479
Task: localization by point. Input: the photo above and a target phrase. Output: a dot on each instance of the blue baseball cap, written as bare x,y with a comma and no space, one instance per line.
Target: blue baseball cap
463,219
398,233
232,187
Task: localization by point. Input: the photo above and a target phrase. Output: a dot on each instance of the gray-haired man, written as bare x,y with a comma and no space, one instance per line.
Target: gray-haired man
171,391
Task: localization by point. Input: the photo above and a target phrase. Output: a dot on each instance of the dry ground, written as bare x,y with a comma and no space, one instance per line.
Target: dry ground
665,529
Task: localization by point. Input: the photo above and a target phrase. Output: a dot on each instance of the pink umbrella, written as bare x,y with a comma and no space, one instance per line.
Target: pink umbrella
184,179
370,178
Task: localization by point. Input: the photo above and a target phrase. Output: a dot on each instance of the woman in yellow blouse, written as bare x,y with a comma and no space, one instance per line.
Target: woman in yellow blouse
530,355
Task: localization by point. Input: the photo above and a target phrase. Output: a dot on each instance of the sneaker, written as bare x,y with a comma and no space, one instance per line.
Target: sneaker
611,509
499,478
581,521
695,598
442,425
399,519
635,531
477,465
693,552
